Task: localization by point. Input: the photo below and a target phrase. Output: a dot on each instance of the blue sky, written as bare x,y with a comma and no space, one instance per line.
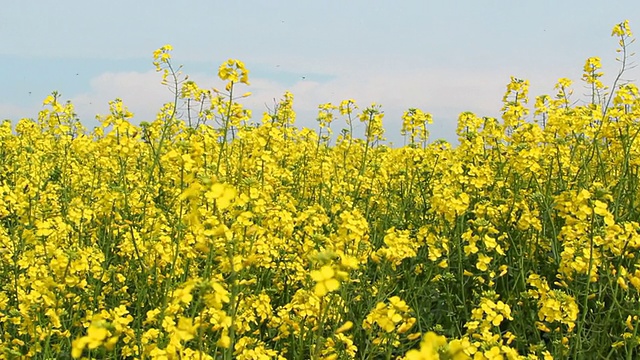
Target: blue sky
444,57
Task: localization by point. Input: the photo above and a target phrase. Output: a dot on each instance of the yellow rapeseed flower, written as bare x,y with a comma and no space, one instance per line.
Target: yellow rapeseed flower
325,280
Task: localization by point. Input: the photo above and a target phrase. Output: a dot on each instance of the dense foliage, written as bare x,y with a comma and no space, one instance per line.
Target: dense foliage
204,235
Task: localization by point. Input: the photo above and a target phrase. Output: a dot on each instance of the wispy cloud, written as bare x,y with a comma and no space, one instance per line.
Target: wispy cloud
443,91
141,92
15,112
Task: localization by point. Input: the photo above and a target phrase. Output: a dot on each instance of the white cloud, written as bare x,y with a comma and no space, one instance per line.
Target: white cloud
14,112
141,93
443,92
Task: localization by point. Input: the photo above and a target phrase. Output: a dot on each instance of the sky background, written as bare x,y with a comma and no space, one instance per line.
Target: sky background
444,57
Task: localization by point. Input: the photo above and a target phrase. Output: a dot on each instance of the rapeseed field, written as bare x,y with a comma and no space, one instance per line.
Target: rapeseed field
207,234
